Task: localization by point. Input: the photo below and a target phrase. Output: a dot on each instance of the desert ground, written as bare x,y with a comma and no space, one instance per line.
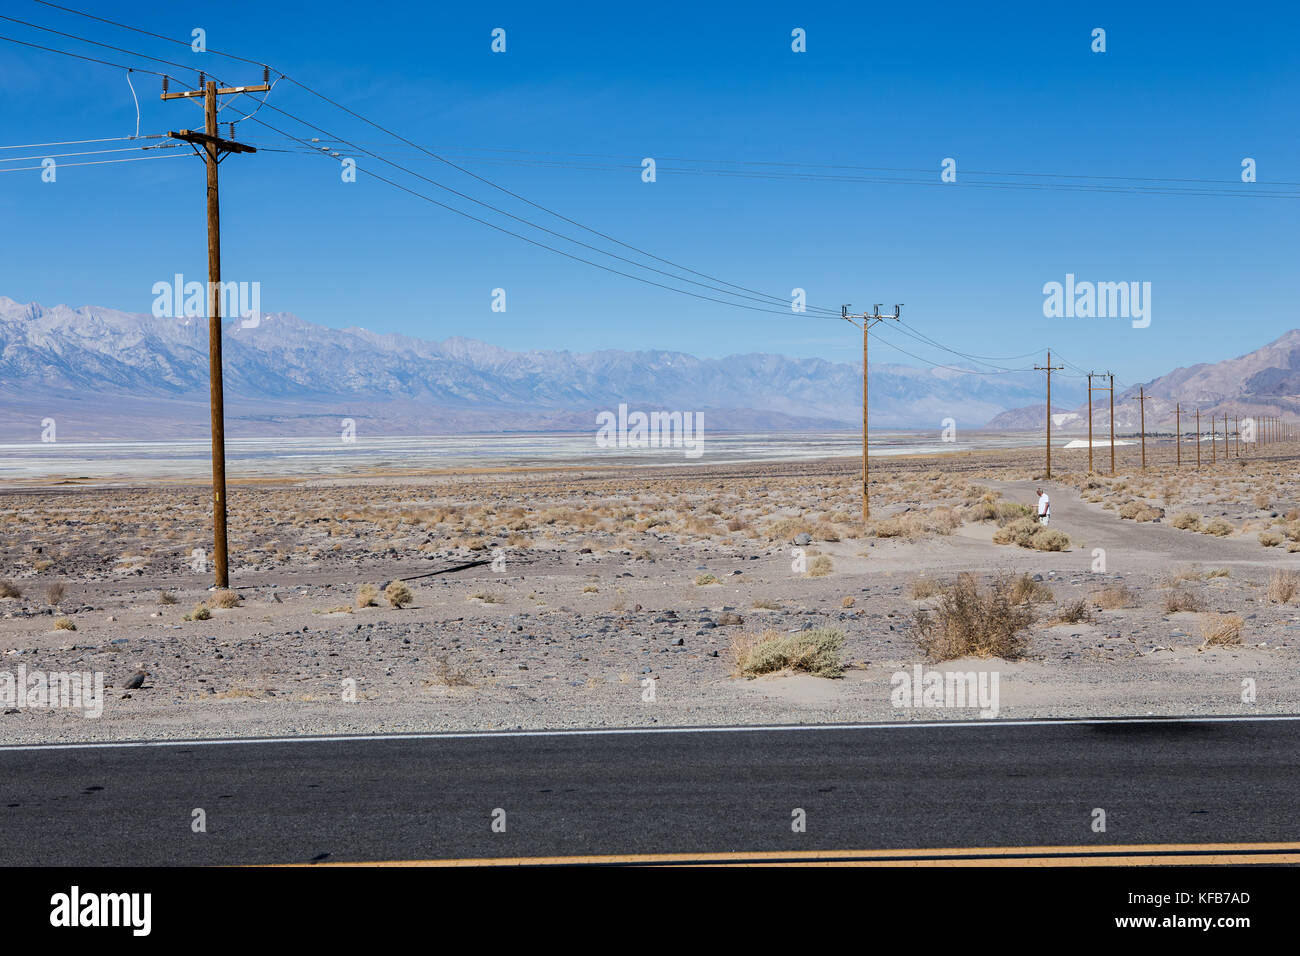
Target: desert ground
679,595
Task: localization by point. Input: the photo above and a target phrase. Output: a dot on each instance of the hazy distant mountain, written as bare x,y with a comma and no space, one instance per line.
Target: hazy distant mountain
1263,382
103,373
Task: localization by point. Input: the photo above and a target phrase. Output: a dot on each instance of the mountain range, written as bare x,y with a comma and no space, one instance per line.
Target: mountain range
102,373
1263,382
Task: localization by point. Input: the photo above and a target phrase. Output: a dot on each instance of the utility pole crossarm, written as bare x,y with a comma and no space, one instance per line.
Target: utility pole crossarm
223,91
222,145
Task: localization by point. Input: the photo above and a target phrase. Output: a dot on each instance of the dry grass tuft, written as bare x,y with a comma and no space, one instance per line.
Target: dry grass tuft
450,673
1176,600
64,624
820,566
923,587
1219,630
166,597
226,599
1282,586
9,590
815,652
1076,612
1112,599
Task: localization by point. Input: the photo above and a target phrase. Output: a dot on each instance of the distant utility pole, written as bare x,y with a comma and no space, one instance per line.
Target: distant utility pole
875,318
1112,422
1236,431
1198,439
1090,375
1142,406
211,147
1049,368
1178,433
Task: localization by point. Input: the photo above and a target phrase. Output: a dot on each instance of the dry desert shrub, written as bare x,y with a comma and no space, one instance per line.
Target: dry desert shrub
1112,599
1270,539
787,529
166,597
1220,528
923,587
970,620
815,652
701,580
1177,600
226,599
914,525
848,601
1218,630
64,624
1282,586
9,590
820,566
1028,533
367,595
398,593
766,604
1025,590
1187,521
54,593
200,613
1076,612
451,673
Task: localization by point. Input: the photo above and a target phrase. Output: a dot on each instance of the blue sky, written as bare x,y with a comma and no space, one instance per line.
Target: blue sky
1181,93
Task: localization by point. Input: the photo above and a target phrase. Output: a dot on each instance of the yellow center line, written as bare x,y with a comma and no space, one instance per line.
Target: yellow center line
1155,854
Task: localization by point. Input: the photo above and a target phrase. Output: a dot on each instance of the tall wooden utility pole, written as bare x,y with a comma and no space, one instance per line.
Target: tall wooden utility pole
1112,423
1142,405
868,320
1198,439
1236,431
1049,368
211,147
1090,375
1178,433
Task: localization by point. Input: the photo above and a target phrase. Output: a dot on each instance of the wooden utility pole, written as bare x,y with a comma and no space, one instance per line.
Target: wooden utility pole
1112,423
1090,375
1198,439
1178,433
1049,368
211,147
1236,431
1142,406
868,320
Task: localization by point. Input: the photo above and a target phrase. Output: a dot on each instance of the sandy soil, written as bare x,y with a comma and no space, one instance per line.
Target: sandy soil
612,587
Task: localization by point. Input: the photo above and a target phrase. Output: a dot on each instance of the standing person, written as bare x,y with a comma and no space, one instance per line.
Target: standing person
1044,507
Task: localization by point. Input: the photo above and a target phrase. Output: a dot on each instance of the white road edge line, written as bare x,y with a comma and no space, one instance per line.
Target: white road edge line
617,731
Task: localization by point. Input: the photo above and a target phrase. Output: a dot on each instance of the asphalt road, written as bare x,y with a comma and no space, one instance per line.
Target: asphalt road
996,784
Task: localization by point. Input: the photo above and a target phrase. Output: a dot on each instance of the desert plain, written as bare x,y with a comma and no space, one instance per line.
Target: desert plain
658,596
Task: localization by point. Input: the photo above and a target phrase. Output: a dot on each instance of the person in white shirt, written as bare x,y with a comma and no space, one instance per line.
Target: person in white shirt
1044,507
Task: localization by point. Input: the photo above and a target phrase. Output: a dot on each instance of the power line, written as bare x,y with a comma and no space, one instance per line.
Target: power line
157,36
84,152
80,142
98,162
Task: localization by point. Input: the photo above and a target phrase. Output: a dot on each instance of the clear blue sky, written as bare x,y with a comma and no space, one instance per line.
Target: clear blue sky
1183,91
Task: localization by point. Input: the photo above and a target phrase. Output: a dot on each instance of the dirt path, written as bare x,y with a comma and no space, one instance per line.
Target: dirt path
1090,526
